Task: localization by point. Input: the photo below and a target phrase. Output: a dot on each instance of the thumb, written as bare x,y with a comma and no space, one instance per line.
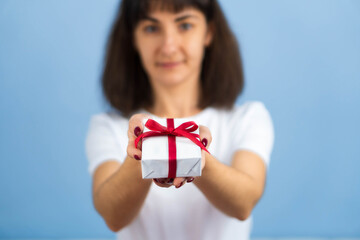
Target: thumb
205,136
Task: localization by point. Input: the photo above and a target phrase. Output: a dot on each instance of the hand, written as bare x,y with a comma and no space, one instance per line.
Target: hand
205,137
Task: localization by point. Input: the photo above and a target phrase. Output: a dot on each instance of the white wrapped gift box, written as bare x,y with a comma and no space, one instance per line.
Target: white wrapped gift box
155,154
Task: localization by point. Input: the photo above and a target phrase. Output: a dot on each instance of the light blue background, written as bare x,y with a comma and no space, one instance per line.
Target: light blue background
301,58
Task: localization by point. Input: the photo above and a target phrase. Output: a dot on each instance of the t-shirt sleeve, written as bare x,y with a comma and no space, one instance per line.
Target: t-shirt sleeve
256,133
101,143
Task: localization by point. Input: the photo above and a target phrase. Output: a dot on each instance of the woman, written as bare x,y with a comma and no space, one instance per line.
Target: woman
177,59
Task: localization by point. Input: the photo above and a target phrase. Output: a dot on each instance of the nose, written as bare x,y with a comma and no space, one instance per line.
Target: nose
169,43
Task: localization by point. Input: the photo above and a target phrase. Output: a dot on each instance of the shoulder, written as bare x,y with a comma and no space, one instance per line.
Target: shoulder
242,113
106,139
253,113
108,118
238,115
250,108
253,129
107,124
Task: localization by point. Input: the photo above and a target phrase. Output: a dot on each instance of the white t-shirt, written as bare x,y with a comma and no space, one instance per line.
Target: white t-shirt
185,213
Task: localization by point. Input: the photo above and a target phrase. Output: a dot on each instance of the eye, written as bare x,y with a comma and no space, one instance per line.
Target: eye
186,26
150,29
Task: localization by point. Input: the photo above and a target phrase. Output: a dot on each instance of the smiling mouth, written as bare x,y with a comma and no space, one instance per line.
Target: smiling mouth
169,64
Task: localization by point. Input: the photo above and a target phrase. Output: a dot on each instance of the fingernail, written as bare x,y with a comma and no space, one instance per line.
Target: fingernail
191,179
204,142
137,131
171,180
182,183
136,157
155,180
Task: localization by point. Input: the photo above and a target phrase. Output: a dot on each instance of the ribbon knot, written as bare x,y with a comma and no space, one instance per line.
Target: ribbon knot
170,131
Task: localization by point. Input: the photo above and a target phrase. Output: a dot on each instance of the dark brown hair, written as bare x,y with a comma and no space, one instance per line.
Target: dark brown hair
125,83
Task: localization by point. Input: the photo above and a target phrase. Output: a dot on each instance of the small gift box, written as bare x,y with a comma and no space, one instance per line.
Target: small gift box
170,148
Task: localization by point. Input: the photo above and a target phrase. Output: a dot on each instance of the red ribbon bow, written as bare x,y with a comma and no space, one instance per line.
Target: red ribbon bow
184,130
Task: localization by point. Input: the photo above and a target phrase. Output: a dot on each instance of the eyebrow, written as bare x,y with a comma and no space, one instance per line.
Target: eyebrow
176,20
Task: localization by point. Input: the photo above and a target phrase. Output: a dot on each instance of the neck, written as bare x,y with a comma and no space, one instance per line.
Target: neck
177,101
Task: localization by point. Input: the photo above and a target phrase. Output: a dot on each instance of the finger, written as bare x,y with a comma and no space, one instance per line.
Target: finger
161,183
136,126
133,152
179,181
168,181
205,136
190,179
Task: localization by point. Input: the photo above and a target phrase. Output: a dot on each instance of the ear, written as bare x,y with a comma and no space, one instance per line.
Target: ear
209,34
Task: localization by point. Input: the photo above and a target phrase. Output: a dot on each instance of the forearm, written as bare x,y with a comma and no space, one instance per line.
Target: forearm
228,189
120,197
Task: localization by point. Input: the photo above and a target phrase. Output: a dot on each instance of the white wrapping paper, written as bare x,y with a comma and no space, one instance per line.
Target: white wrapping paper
155,154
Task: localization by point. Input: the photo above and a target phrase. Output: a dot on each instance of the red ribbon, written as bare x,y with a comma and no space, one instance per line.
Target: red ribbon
184,130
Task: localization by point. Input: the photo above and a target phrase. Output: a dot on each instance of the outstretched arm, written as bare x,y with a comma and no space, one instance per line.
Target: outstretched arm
234,189
119,192
118,189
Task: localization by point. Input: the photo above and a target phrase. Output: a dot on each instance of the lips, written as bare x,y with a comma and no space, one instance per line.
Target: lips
169,64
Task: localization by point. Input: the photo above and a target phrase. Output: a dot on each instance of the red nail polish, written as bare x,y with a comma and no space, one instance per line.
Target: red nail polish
171,180
204,142
136,157
137,131
182,183
190,180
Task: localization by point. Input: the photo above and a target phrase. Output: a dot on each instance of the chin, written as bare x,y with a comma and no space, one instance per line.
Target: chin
170,80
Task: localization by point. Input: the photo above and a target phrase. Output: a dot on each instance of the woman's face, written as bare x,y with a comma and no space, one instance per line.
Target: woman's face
171,45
